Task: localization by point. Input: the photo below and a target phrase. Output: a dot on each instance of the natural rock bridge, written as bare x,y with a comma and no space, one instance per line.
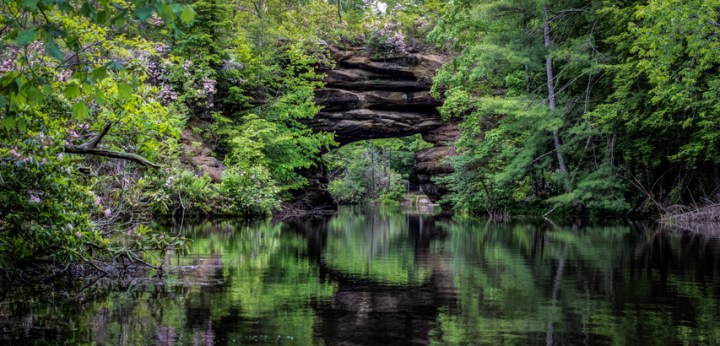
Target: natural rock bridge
368,98
364,99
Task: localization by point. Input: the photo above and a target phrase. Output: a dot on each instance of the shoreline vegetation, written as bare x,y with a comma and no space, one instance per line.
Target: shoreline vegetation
114,116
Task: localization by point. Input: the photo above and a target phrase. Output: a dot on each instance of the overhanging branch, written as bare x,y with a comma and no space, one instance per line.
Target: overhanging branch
90,148
94,142
78,149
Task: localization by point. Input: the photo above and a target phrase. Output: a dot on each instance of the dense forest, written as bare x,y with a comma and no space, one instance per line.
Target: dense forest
572,107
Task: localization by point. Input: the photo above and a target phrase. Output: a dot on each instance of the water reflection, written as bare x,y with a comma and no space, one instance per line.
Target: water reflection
383,276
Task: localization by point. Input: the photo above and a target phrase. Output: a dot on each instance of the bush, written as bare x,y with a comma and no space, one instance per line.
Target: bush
249,191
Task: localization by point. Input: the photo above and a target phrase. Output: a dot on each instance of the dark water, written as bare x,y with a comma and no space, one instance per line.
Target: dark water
385,277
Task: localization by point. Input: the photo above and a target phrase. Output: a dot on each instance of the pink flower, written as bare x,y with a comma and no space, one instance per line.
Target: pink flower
108,212
98,201
209,86
35,199
15,153
78,234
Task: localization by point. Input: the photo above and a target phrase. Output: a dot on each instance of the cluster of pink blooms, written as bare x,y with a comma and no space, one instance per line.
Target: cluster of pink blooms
394,38
7,60
167,94
12,55
157,73
155,20
186,68
421,22
17,155
209,87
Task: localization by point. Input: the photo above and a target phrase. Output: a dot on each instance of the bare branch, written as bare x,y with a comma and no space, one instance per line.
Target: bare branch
82,150
94,142
90,148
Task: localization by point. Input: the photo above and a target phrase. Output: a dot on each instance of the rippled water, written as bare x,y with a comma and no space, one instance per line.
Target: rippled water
387,277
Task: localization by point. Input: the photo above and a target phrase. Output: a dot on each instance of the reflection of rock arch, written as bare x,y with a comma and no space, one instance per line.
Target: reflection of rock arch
365,311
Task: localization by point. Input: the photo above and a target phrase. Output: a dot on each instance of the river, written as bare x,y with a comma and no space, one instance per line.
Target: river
384,276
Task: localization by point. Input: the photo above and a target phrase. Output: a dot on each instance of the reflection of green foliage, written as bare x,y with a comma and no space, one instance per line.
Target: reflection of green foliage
264,272
576,282
253,282
374,247
256,272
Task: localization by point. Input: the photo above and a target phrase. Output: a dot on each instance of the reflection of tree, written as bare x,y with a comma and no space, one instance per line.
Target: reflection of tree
521,285
373,246
375,278
248,282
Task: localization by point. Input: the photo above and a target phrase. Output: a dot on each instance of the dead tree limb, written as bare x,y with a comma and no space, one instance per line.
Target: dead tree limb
90,148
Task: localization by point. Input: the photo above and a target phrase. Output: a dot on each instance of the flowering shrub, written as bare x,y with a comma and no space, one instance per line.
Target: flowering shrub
387,40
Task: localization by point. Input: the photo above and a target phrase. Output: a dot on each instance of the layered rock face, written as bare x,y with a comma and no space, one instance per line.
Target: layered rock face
368,98
431,162
199,155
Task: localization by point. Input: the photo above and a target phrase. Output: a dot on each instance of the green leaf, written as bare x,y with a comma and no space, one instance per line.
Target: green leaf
99,96
81,111
114,66
26,37
31,4
64,6
188,15
34,95
8,123
125,90
166,12
52,49
20,123
88,9
99,73
143,13
8,78
72,91
103,17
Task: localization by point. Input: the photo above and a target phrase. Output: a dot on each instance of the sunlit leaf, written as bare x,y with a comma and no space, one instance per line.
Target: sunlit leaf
8,123
125,90
187,15
81,111
72,91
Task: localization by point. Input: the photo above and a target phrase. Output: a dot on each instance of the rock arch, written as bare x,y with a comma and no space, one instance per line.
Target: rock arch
368,98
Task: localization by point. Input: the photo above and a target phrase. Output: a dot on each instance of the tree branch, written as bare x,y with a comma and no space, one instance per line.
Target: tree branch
83,150
94,142
90,148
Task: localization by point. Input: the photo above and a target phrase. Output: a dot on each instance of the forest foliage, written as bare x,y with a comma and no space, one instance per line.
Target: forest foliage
575,105
98,100
634,88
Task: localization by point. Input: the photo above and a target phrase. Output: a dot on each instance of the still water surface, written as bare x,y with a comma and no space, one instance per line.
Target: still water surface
388,277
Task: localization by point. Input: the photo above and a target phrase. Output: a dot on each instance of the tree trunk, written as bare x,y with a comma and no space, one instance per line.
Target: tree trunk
339,5
551,89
